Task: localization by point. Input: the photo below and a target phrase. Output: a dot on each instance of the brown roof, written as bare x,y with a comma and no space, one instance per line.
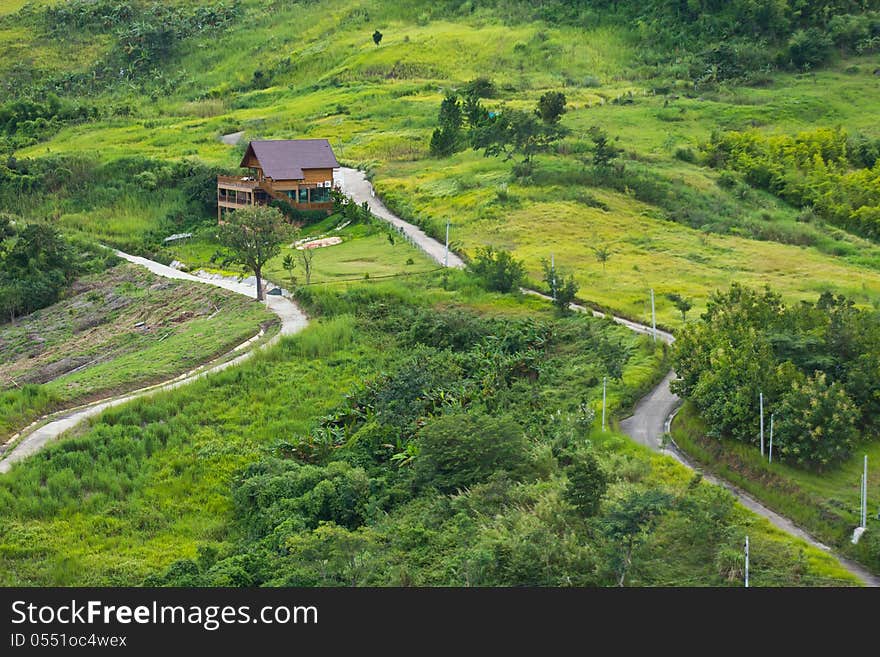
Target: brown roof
285,159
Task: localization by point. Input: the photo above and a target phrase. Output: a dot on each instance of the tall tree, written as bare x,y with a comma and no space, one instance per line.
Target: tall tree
604,152
252,236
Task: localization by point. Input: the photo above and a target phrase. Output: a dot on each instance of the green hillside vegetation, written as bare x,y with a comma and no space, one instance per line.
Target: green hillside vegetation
825,503
818,367
115,331
669,222
333,466
678,147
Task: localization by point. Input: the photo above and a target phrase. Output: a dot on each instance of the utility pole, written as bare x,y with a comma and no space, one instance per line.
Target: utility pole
747,562
653,317
604,383
553,275
865,495
771,437
761,397
446,255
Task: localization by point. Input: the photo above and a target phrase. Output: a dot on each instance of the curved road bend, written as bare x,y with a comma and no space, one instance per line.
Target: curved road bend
292,318
653,414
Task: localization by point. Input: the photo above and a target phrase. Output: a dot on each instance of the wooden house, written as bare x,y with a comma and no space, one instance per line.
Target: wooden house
298,171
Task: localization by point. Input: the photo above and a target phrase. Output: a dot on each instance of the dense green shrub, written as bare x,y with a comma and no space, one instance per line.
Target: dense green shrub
587,483
808,48
817,423
498,270
461,449
37,263
810,169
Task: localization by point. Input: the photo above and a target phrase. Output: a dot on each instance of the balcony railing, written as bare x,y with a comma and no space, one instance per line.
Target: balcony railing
237,182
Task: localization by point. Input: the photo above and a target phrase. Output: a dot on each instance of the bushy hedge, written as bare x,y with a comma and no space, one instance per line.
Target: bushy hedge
37,263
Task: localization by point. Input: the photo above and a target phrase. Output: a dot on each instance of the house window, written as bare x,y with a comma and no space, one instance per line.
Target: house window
303,195
320,195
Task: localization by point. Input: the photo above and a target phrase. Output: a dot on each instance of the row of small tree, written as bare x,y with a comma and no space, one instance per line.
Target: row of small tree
463,121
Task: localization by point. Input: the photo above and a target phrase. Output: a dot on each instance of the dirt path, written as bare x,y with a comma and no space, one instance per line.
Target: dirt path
292,318
653,414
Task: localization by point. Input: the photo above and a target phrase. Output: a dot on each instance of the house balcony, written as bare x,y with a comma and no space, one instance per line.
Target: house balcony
241,191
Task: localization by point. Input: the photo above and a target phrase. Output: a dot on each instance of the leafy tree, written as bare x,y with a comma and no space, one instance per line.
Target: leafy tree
681,303
630,522
587,483
604,152
446,138
460,449
551,107
377,37
613,354
450,117
251,236
513,132
442,143
481,87
563,288
475,113
815,423
499,270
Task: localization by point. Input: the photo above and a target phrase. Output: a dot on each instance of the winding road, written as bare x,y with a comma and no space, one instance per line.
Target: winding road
292,319
652,416
649,422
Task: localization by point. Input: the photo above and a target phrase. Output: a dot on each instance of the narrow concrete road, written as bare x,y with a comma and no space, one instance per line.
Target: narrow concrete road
292,318
354,183
652,416
647,424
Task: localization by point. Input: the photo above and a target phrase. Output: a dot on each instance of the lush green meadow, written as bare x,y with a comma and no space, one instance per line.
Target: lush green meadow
673,228
114,132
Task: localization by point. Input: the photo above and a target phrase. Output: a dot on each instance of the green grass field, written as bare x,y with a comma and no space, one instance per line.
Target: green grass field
365,252
379,113
322,76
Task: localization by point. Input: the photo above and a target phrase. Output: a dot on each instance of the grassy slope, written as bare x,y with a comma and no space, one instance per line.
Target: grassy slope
88,345
378,105
144,508
380,114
